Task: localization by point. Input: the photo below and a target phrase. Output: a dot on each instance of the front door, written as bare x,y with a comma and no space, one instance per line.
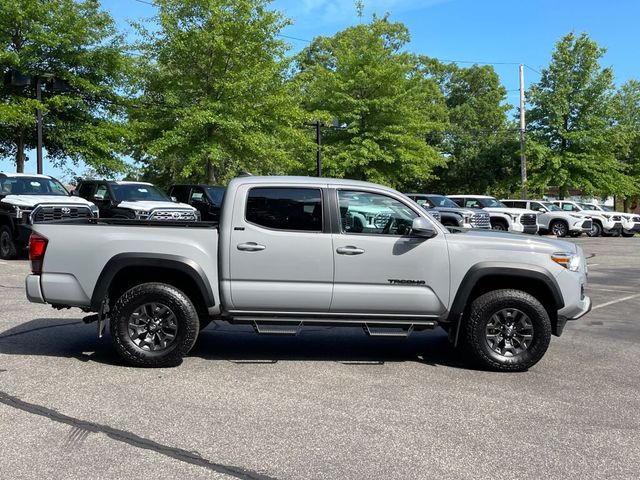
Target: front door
379,267
281,256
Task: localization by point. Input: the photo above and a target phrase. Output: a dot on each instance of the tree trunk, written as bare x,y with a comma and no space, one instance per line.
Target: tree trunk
20,154
211,174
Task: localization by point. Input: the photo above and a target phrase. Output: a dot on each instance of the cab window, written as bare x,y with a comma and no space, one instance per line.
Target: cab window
285,208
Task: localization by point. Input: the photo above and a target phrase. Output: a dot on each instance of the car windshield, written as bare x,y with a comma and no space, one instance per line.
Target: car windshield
491,203
31,186
607,209
133,192
551,206
441,201
588,206
424,202
216,194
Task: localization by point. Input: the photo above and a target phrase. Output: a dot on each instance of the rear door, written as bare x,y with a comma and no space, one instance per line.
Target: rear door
281,255
379,267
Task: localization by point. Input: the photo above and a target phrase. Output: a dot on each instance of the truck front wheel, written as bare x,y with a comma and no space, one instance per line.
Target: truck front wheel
154,325
507,330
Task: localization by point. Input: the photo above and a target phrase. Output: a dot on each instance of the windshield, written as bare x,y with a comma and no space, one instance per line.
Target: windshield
588,206
551,206
216,194
133,192
424,202
491,203
441,201
31,186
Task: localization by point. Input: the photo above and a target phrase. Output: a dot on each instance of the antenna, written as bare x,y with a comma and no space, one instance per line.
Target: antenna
360,9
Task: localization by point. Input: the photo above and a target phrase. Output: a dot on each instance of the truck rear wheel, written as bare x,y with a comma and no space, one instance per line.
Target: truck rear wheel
8,249
507,330
154,325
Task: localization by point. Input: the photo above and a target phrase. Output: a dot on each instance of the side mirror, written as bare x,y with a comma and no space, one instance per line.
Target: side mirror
74,193
422,228
174,199
99,198
542,210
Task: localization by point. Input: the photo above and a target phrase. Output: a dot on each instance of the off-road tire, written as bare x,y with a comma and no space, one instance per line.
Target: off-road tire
480,313
8,248
596,230
559,228
187,322
627,235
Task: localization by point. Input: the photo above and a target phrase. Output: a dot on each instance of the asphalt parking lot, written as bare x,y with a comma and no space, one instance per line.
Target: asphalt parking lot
325,404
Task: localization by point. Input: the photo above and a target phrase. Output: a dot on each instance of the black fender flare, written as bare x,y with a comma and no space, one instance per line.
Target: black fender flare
502,269
167,261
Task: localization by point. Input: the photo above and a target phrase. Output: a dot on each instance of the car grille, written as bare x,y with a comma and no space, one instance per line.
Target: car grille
480,220
616,218
528,219
49,213
636,219
587,224
435,214
175,215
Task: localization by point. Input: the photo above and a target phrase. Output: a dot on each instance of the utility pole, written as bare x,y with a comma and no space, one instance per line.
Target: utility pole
39,125
319,147
523,159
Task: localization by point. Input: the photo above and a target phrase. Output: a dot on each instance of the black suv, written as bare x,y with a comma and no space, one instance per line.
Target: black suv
206,199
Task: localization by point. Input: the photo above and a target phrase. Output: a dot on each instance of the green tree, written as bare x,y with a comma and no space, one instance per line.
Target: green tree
571,122
213,98
77,42
626,113
380,100
480,145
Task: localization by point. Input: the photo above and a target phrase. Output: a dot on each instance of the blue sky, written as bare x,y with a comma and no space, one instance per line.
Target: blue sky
466,30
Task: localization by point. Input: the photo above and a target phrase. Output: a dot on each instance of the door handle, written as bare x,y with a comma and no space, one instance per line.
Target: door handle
251,247
349,250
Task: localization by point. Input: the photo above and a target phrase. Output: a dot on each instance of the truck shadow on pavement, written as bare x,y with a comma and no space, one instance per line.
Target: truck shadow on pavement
70,338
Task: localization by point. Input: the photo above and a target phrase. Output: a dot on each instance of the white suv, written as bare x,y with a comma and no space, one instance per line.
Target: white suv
553,219
603,223
502,217
630,221
26,199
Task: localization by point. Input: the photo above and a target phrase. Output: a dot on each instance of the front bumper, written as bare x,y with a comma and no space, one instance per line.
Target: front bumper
530,229
631,228
613,227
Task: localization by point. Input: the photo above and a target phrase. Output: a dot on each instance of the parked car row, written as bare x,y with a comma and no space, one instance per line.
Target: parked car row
559,217
26,199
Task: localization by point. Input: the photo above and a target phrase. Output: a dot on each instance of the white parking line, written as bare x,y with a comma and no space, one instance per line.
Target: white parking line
589,287
593,264
616,301
3,263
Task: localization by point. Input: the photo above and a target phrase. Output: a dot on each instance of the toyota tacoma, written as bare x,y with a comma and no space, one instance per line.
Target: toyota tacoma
289,253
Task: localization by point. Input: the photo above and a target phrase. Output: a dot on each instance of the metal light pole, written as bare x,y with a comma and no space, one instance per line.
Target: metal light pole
39,125
523,159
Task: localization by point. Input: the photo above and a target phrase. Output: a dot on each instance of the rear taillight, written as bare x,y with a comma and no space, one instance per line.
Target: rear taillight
37,247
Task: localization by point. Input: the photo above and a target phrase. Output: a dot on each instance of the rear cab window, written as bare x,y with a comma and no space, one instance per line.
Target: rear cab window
285,208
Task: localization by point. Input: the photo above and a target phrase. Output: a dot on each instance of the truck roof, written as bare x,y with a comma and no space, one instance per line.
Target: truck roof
470,196
311,181
17,175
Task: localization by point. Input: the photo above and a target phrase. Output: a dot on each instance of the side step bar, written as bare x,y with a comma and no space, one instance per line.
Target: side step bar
372,327
276,329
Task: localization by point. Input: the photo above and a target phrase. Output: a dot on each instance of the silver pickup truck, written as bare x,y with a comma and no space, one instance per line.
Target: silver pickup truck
291,252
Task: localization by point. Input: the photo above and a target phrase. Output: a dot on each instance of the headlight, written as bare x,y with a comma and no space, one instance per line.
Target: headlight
606,216
142,214
575,216
514,216
570,261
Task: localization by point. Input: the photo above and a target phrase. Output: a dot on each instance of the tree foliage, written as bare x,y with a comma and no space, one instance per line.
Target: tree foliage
379,100
626,114
77,42
213,99
480,145
571,122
